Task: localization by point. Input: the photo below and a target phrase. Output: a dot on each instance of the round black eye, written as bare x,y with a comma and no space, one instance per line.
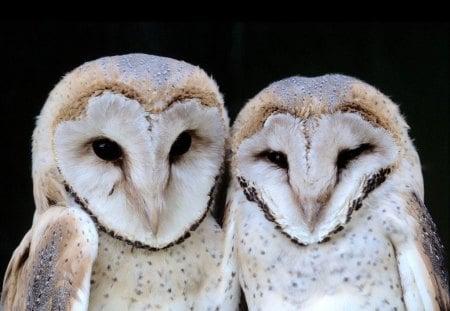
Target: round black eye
106,149
278,158
181,145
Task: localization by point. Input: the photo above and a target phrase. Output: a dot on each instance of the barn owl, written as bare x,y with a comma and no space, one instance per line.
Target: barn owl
326,203
127,153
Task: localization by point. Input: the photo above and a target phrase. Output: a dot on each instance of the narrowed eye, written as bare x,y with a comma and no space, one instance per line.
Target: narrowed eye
277,157
181,145
347,155
107,149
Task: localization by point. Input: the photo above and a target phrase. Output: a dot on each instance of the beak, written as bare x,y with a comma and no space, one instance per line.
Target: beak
147,192
150,203
311,214
149,206
152,214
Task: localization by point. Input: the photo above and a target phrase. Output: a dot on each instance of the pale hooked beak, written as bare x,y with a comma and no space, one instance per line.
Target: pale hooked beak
152,214
148,195
311,213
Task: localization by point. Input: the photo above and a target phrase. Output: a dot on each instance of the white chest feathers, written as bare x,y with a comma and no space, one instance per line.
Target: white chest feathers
193,275
355,271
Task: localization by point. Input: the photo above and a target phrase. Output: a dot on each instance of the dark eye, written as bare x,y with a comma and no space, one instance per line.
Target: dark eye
277,157
347,155
181,145
106,149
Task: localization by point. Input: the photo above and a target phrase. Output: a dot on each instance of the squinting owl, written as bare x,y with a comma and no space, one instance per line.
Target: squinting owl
127,154
327,205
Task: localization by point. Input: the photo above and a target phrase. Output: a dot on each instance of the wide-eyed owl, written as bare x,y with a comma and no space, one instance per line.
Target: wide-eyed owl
326,202
127,155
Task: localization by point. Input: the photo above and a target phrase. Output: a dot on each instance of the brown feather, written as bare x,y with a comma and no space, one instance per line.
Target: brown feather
52,263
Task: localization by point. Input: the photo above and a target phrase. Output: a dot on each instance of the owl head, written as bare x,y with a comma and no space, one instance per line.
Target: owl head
137,141
312,151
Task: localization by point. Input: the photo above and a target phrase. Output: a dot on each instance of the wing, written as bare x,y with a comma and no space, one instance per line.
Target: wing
421,262
51,268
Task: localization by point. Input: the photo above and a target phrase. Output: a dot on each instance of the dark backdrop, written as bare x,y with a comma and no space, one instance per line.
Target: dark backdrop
408,62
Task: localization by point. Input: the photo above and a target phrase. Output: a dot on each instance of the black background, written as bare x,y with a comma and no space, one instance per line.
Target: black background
408,62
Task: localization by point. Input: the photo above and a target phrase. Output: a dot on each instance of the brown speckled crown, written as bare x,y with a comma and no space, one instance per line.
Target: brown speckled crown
305,97
153,81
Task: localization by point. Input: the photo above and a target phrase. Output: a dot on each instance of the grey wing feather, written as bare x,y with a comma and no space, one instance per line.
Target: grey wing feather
433,249
51,268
